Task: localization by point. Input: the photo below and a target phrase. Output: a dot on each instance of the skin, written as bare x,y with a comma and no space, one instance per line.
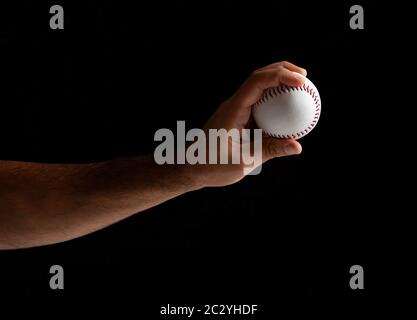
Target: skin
43,204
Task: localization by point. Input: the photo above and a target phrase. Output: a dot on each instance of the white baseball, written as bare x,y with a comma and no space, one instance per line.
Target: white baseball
288,112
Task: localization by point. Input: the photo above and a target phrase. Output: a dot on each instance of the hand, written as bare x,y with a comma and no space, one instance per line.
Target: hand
48,203
236,113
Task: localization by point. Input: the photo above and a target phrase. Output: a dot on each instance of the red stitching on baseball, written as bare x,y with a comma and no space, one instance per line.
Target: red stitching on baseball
275,91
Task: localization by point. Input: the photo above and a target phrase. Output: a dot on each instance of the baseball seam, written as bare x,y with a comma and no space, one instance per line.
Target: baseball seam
275,91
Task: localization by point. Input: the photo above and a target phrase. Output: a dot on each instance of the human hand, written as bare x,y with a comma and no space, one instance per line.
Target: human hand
235,113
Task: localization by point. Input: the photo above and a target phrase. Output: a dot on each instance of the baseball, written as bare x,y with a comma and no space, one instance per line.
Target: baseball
288,112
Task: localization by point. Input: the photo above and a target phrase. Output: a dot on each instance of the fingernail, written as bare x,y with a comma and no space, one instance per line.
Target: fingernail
298,75
290,149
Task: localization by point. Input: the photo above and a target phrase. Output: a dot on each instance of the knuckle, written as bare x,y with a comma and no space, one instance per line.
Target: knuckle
277,75
255,74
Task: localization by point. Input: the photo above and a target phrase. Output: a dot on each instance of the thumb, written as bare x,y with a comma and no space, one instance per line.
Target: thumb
273,148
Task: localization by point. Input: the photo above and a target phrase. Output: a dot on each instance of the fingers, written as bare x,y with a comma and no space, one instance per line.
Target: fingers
287,65
273,148
260,80
291,78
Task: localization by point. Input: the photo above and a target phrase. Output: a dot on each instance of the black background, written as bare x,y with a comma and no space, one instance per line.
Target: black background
118,72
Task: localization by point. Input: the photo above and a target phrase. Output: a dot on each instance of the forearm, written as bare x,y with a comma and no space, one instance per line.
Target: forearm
48,203
43,203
